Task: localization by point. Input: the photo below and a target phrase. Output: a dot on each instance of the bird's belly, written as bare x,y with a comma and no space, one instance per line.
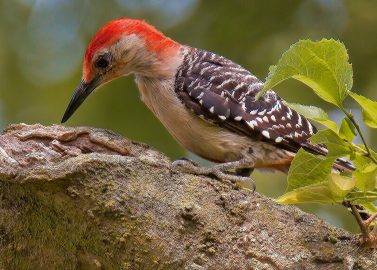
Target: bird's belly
208,141
199,136
193,133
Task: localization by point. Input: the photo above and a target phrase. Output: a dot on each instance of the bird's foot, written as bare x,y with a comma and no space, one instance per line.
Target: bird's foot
243,168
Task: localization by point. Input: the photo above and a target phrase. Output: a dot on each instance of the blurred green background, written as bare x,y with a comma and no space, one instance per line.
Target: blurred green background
43,43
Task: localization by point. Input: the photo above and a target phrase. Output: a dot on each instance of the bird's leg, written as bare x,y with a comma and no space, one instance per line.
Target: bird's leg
241,167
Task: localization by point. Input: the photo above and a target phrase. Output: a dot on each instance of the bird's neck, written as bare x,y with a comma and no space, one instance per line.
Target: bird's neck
157,88
164,64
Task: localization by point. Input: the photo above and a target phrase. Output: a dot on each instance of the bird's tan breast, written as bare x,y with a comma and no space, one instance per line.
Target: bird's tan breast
193,133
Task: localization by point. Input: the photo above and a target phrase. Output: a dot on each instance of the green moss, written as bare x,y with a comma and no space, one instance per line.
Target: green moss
41,228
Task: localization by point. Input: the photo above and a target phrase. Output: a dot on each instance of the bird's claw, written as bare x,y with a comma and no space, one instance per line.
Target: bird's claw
188,166
183,160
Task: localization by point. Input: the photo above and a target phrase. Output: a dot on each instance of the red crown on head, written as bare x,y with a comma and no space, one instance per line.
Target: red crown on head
113,31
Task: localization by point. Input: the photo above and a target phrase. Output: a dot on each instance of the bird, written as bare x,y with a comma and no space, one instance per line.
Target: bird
206,102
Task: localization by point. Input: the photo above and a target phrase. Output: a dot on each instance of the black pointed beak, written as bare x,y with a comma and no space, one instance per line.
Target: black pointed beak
81,93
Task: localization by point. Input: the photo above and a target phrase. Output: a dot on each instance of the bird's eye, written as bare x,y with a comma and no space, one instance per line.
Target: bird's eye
102,61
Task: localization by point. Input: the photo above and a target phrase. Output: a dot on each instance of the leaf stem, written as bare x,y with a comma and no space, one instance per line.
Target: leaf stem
369,198
367,191
352,119
362,150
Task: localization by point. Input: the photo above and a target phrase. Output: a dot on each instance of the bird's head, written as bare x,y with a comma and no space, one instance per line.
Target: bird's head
122,47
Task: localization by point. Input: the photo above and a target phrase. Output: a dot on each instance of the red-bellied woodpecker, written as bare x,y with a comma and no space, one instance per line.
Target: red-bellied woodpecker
204,100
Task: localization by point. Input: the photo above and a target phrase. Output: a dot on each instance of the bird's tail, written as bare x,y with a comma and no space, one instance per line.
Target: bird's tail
343,165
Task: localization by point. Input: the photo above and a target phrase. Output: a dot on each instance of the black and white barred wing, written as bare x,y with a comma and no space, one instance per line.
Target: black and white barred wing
223,93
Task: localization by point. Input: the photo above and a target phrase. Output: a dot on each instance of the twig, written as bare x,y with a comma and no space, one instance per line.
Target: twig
352,119
370,219
360,222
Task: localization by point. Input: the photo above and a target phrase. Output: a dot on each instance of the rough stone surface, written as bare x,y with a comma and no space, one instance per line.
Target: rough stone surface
84,198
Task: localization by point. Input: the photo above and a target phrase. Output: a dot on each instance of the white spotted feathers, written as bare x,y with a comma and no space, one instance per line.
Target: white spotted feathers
223,93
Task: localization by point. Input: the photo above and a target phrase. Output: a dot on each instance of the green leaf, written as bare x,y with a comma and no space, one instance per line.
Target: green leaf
335,145
314,113
369,109
365,173
322,65
363,198
307,169
319,192
340,186
347,130
331,191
